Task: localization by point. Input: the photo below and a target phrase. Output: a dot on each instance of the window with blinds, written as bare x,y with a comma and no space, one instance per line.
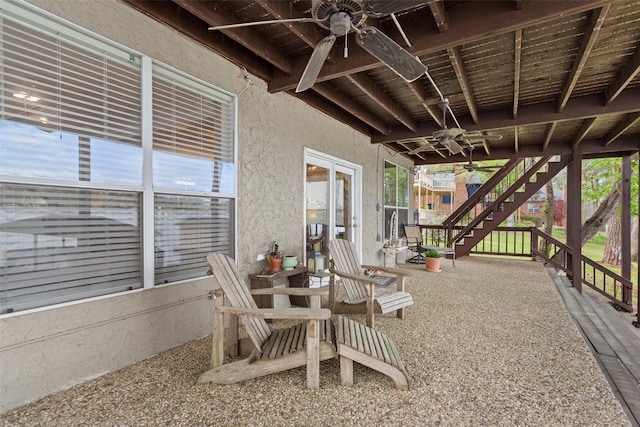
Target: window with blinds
193,152
61,244
71,166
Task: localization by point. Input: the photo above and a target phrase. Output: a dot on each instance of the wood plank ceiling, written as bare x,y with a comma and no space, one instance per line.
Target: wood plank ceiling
548,76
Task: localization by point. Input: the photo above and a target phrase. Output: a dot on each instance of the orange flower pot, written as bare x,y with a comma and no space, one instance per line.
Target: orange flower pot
274,263
432,264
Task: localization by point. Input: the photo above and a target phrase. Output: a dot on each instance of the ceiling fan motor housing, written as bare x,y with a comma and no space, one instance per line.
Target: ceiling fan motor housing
323,10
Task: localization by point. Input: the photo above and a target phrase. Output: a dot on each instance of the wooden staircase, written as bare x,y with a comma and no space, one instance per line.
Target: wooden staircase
528,183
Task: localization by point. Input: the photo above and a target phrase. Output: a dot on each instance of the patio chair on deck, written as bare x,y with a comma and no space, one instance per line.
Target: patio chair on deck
360,287
413,235
318,338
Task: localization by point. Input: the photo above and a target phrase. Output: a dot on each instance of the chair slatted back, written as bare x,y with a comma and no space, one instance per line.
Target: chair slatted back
225,271
343,253
413,234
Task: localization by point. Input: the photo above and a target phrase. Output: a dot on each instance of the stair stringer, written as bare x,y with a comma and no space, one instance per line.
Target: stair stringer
500,210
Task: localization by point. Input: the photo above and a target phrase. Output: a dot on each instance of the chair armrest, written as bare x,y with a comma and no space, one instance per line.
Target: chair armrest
279,313
301,292
386,270
359,277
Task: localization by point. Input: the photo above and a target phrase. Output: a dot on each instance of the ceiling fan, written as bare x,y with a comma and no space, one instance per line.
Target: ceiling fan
453,139
470,166
344,16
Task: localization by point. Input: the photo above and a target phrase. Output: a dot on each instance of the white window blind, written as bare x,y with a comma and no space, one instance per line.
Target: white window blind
71,166
61,244
70,115
186,230
193,151
51,83
192,136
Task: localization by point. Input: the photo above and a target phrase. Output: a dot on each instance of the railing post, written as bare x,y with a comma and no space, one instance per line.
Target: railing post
534,243
574,223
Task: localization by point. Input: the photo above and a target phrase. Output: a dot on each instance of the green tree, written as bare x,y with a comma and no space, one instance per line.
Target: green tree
601,182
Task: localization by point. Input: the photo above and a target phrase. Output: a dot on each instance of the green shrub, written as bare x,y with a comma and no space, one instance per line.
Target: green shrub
432,253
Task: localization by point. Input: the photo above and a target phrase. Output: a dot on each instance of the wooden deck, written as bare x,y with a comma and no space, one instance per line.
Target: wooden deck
613,340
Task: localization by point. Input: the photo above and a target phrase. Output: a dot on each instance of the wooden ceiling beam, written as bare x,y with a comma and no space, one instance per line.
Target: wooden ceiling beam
551,128
467,24
592,148
517,58
373,91
627,73
581,135
461,74
320,103
243,35
588,40
629,121
169,13
418,92
329,92
439,15
582,107
308,32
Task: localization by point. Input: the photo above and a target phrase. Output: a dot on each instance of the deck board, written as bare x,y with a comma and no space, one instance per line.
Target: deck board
613,341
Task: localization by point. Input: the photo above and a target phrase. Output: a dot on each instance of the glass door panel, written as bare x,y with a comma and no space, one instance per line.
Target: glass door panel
345,219
317,208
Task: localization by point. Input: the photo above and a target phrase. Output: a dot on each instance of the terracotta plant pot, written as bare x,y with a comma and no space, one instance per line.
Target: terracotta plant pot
274,264
432,264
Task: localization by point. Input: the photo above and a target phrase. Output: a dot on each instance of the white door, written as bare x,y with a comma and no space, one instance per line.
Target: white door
332,201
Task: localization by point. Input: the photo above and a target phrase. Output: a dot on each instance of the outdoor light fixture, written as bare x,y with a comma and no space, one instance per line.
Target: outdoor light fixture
315,262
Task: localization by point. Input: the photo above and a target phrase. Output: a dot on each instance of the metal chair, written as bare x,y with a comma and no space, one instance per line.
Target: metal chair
414,241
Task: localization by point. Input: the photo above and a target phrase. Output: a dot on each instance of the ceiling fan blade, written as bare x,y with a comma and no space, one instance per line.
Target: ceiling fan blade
452,133
379,8
482,137
315,63
251,24
418,150
451,145
390,53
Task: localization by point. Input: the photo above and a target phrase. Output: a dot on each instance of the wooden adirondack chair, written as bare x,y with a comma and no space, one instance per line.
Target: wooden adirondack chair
360,287
307,343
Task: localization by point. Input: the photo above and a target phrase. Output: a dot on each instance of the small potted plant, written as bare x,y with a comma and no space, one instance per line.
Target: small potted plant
274,258
432,260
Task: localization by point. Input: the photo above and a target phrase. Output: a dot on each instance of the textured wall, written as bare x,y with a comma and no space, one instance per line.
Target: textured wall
48,350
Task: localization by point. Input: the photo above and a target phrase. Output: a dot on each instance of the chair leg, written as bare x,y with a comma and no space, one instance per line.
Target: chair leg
370,309
313,354
346,371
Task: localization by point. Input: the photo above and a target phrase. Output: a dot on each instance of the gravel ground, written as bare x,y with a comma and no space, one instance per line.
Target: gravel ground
488,343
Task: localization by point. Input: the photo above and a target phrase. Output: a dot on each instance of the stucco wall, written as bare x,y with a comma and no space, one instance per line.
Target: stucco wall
44,351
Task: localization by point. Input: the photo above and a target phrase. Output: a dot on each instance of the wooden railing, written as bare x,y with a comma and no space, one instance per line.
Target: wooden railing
533,243
602,280
507,241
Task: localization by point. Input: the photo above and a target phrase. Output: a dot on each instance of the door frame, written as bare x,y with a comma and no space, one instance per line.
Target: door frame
334,164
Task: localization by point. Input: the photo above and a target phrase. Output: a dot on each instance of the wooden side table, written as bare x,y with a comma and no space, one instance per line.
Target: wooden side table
297,278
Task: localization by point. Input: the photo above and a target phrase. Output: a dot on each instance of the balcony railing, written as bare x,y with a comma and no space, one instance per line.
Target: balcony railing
434,182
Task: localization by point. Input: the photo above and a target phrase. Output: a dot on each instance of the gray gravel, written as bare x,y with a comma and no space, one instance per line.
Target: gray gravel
488,343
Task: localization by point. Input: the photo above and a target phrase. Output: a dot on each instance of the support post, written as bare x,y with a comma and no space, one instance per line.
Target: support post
626,226
574,218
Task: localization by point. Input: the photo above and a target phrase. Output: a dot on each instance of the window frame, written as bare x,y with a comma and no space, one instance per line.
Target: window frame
399,209
44,22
